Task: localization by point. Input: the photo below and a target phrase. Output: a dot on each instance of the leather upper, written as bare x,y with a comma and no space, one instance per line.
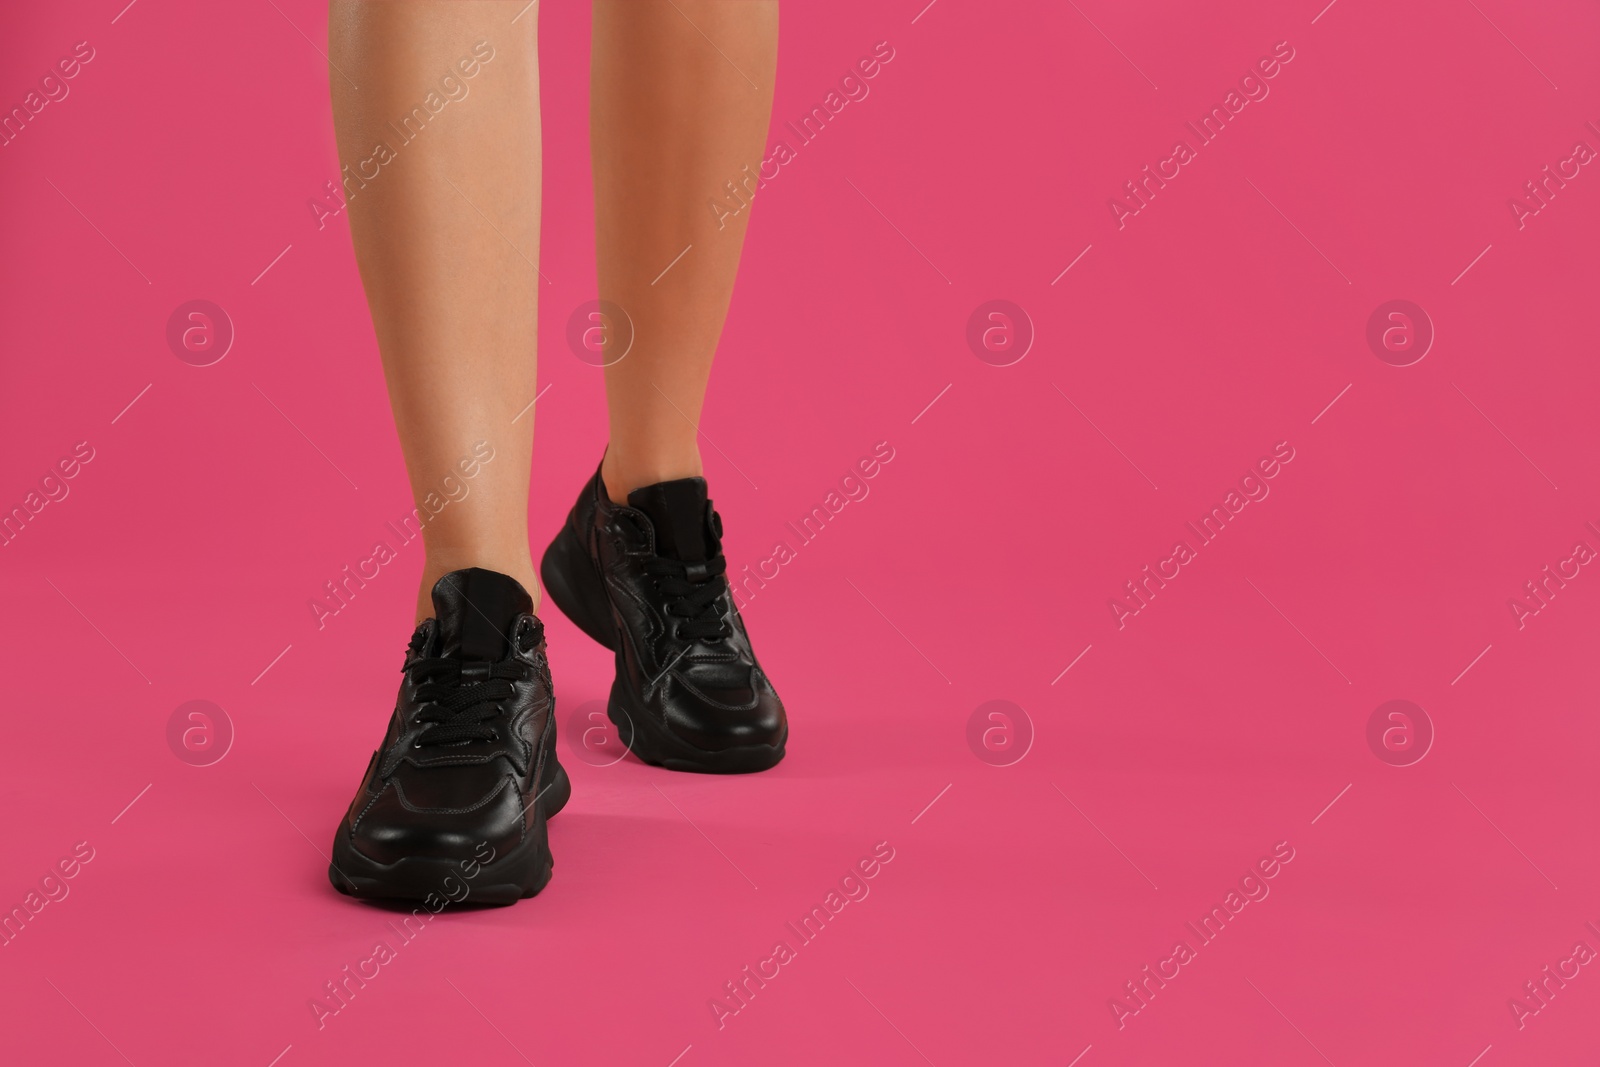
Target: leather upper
709,692
444,800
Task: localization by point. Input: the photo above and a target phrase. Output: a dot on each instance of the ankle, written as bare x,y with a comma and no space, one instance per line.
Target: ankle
622,473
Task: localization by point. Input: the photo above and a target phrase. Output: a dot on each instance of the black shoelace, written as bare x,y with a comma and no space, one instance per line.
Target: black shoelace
460,701
462,708
693,592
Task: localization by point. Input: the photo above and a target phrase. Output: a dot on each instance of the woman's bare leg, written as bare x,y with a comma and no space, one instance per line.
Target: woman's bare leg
680,99
445,219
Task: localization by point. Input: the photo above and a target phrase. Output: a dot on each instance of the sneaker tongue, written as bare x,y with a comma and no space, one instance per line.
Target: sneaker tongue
477,610
677,510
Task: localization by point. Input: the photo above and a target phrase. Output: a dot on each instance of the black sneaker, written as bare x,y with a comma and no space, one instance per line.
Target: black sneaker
453,805
647,580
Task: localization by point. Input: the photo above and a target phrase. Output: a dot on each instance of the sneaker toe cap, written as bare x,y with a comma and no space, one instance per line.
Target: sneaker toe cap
395,826
718,719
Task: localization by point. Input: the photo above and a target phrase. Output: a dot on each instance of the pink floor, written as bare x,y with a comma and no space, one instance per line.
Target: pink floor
1150,760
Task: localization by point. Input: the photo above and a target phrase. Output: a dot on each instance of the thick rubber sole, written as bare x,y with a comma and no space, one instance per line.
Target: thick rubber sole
578,590
655,746
505,879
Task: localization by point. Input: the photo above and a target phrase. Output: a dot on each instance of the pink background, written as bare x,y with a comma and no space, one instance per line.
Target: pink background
1223,719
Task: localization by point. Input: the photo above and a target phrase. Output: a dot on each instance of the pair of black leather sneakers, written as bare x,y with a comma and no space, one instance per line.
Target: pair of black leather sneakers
458,795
